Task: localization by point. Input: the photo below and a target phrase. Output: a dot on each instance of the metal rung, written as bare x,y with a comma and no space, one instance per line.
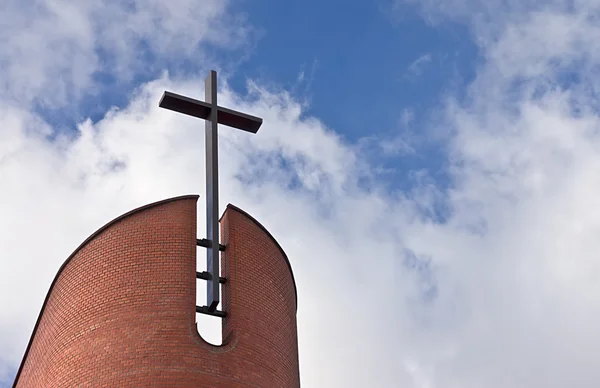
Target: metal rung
216,313
206,244
207,276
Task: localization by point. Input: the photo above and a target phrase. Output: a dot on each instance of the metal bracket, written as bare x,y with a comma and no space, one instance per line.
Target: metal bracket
202,242
208,276
215,313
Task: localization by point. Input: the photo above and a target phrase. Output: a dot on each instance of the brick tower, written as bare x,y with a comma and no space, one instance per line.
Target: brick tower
121,310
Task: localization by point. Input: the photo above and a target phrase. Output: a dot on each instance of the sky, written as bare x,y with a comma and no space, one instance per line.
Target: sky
431,168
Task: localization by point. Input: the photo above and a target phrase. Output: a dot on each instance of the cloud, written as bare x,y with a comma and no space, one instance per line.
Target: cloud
524,155
415,69
56,51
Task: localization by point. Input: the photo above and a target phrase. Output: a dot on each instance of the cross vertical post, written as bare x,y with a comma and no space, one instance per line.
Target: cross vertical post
212,191
214,115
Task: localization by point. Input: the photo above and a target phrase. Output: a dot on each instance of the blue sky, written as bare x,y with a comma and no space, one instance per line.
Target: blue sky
365,70
451,145
356,60
370,72
361,70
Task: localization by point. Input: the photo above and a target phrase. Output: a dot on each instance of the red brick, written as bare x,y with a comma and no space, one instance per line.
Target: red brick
121,310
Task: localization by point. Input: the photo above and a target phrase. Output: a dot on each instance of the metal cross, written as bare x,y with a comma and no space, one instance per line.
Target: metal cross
213,114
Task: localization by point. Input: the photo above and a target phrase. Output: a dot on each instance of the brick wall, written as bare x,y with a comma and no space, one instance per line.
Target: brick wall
121,311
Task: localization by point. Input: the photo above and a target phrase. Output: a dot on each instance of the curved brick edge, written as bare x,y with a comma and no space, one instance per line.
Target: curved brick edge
260,300
255,221
83,244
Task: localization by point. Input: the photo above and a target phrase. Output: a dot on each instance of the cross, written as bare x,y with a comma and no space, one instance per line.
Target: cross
213,114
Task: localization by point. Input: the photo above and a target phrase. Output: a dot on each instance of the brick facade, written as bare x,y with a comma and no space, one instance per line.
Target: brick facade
121,310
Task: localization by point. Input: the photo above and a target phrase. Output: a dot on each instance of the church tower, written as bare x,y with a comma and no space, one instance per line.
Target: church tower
121,310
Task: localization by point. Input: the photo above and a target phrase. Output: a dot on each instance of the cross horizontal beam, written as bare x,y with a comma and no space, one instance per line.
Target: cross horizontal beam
201,109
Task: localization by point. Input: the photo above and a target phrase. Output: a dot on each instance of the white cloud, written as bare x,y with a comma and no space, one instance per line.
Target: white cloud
525,148
415,68
52,50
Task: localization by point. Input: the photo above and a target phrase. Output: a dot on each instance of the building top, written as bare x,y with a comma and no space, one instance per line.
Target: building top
115,272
